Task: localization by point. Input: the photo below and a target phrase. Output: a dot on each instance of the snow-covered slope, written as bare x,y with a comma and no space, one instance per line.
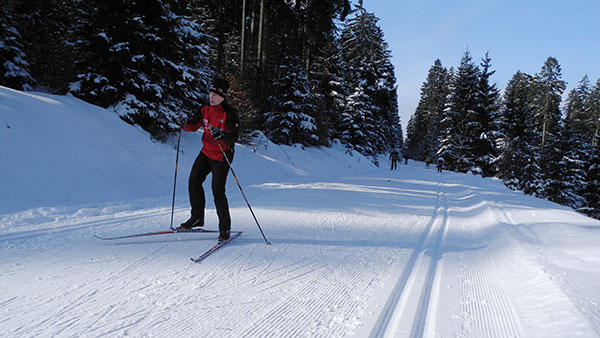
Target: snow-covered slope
357,250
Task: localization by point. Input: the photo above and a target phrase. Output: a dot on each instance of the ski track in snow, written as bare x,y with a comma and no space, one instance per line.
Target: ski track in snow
430,272
414,305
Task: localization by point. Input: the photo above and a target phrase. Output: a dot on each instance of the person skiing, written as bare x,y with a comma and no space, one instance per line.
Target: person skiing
395,157
440,164
220,123
427,162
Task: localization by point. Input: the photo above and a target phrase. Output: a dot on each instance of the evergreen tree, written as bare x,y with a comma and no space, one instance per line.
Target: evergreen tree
14,67
592,108
48,28
517,161
329,73
457,146
371,75
424,138
484,123
591,191
358,126
575,139
547,122
549,88
145,61
291,119
590,122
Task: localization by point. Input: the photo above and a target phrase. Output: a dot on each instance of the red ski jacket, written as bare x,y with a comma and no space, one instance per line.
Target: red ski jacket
223,117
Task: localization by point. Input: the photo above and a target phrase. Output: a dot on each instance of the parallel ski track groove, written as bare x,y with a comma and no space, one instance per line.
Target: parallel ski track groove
320,303
423,308
387,314
484,299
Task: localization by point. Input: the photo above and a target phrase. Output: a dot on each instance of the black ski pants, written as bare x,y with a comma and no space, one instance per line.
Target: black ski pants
200,170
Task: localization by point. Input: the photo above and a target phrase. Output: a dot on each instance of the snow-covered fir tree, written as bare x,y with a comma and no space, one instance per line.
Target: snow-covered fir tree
358,126
549,88
484,124
592,108
372,99
424,127
517,163
330,73
591,191
547,123
14,67
145,61
460,130
291,118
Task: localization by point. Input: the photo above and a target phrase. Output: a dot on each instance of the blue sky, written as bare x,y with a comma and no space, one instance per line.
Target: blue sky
519,35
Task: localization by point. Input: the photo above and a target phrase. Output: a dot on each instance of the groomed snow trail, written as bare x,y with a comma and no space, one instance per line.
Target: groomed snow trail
380,255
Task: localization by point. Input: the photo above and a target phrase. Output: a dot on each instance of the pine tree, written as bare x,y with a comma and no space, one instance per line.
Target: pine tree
592,108
358,126
372,79
547,118
549,88
484,122
517,161
145,61
48,29
291,119
14,67
577,133
591,191
330,73
457,144
424,137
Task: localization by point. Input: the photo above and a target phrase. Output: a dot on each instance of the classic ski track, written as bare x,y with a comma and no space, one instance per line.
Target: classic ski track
484,304
155,316
271,279
424,308
93,221
62,318
207,307
391,314
585,305
320,305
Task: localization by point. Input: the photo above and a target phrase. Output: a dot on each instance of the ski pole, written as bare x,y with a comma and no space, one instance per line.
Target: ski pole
242,191
175,179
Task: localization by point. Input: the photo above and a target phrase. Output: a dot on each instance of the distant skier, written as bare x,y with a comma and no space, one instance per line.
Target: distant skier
440,164
395,157
220,123
427,162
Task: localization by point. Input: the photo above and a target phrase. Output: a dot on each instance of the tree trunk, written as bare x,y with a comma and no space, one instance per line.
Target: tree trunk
243,39
261,24
221,36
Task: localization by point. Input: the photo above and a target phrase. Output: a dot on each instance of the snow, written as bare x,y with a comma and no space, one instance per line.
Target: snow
357,250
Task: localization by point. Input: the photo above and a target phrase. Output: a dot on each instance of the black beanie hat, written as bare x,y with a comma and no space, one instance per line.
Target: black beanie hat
219,86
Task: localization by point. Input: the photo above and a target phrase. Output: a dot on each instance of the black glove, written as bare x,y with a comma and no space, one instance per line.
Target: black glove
216,133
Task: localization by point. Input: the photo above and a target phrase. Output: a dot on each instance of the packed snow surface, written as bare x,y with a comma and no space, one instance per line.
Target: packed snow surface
357,250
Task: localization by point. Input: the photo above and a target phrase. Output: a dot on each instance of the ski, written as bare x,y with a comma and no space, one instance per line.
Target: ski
216,247
170,231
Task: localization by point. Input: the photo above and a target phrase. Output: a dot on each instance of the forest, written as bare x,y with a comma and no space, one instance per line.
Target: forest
526,136
304,72
311,73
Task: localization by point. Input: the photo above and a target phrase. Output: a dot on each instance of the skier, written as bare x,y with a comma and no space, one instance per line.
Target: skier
427,162
440,164
220,123
395,157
